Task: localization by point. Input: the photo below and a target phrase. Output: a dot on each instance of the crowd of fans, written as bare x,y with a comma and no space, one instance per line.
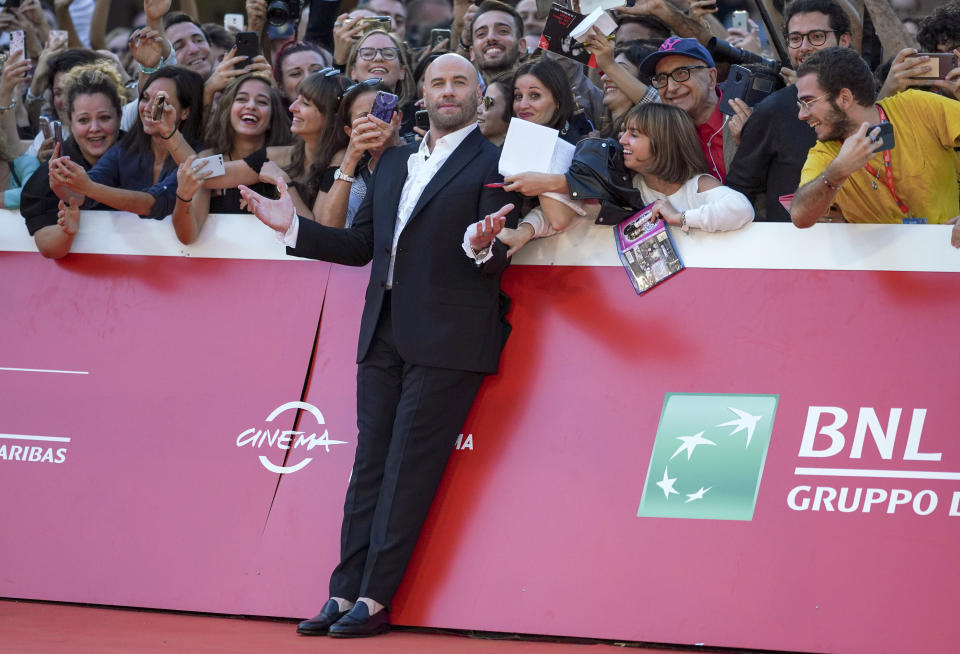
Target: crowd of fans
127,119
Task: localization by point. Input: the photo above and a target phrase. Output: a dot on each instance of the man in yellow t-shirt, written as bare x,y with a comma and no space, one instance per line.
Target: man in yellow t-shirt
915,181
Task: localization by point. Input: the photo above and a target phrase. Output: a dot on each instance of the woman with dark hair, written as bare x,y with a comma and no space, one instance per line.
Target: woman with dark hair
369,137
293,62
139,174
493,112
249,116
542,95
661,148
92,104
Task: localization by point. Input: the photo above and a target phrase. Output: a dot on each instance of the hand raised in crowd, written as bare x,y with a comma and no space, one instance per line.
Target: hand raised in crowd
32,12
190,177
155,10
226,70
68,217
600,47
643,7
271,173
166,125
747,39
951,84
14,72
739,118
484,231
463,13
369,134
256,14
275,214
904,71
69,175
700,8
532,184
855,152
146,47
48,149
346,33
788,75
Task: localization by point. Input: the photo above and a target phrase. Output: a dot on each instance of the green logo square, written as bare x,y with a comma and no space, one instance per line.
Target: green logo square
708,456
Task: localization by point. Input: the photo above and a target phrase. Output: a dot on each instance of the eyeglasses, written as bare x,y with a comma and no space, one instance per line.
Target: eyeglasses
373,81
488,102
815,37
681,74
388,54
806,104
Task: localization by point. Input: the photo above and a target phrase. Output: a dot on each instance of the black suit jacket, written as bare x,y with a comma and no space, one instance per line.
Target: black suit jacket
447,312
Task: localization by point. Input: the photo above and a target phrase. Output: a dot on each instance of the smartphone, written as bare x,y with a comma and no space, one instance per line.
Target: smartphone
248,45
212,163
739,21
422,119
384,105
746,85
371,23
16,42
158,107
233,22
57,127
438,36
941,63
885,135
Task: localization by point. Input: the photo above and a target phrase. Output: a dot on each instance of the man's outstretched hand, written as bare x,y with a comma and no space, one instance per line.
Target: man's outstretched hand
275,214
487,229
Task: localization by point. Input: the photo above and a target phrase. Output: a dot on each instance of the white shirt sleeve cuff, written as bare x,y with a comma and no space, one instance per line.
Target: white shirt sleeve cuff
289,237
480,257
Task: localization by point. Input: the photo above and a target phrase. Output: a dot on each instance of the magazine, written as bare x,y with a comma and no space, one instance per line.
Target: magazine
556,35
646,250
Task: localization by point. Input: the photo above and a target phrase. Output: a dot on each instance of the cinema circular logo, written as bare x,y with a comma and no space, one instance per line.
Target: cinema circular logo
287,441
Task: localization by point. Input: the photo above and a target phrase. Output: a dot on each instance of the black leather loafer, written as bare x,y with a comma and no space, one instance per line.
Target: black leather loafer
358,623
320,623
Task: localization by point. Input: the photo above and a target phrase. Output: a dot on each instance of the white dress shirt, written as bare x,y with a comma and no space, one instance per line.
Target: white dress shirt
422,165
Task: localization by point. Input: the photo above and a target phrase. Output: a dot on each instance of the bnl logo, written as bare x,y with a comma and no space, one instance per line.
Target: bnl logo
708,456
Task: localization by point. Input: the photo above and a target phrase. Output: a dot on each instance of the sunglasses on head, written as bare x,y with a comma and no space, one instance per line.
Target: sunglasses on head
373,81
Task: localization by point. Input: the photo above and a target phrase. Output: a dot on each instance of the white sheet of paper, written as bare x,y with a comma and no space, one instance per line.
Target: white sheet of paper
528,148
587,6
597,17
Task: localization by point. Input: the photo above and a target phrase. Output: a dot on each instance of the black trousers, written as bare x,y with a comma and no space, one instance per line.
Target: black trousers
409,417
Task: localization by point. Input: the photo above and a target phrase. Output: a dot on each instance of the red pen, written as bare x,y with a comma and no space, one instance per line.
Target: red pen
494,185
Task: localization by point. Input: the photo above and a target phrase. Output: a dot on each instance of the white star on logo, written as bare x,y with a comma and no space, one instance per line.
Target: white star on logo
745,422
698,495
690,442
667,484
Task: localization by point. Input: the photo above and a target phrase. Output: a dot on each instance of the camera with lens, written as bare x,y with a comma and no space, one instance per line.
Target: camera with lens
723,51
280,12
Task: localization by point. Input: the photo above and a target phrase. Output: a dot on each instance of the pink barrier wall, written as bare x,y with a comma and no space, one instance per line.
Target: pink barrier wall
157,490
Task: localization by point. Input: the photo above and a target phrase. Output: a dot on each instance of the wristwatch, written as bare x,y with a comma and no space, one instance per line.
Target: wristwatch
339,174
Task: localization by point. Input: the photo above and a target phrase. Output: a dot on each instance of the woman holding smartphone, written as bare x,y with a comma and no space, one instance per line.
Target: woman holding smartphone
139,174
92,104
250,116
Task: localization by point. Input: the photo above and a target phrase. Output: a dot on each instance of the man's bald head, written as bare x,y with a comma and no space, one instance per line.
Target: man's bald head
451,92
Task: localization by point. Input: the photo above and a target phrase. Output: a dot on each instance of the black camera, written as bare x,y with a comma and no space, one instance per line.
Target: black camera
280,12
722,50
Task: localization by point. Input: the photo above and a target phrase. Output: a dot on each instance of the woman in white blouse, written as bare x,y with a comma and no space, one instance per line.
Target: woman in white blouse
661,148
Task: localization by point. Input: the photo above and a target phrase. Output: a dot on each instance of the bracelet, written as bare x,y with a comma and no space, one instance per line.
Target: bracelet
684,227
31,98
183,199
13,103
150,71
830,186
167,138
465,46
